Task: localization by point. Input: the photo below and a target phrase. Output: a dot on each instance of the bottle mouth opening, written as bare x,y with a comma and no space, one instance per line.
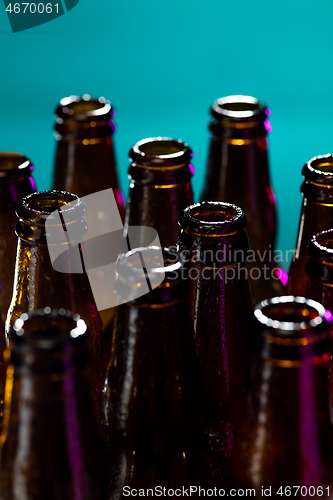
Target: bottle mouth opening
289,315
213,216
239,106
14,163
160,151
321,164
47,328
83,108
321,245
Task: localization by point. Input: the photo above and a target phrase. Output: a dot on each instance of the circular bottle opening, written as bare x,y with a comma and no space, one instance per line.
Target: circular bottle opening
321,165
160,151
213,217
83,108
48,201
321,245
14,164
239,107
288,315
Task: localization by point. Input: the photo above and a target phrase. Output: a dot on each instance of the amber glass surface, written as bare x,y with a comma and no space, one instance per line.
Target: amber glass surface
286,437
2,370
160,187
51,447
316,216
39,285
85,158
215,243
16,181
154,397
238,172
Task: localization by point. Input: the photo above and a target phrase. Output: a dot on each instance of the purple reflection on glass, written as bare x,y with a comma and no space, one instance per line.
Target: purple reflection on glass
282,275
268,126
268,112
328,315
191,167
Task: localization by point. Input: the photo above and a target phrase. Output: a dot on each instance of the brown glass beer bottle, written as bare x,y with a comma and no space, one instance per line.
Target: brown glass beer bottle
319,269
16,181
285,441
238,172
213,238
316,216
51,447
160,188
85,158
154,405
38,284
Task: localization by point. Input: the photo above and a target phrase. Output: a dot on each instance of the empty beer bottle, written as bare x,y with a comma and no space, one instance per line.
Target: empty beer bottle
214,240
51,447
319,268
16,181
238,172
160,188
154,391
316,216
38,283
286,437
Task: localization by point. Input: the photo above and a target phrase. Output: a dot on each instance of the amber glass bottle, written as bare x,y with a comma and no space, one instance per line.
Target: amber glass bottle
238,172
16,181
286,437
85,159
316,216
2,370
160,188
37,283
319,269
51,445
154,402
214,240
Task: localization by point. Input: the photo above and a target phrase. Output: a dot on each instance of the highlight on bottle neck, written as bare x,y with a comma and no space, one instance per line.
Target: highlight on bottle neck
295,331
49,341
239,116
14,166
160,160
151,275
60,212
319,266
84,117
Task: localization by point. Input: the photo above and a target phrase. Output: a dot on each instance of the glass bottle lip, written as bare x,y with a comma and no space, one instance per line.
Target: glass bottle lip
319,170
40,205
160,153
292,317
14,165
47,328
239,108
84,108
213,218
321,246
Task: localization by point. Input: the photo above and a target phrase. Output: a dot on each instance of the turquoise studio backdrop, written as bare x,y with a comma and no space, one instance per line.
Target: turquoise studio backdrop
162,64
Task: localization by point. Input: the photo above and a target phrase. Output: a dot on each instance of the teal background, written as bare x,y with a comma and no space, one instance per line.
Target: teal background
162,65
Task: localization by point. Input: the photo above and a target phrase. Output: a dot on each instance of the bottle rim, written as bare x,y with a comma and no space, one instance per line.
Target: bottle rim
239,108
84,108
319,170
290,316
213,219
58,327
14,165
160,153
